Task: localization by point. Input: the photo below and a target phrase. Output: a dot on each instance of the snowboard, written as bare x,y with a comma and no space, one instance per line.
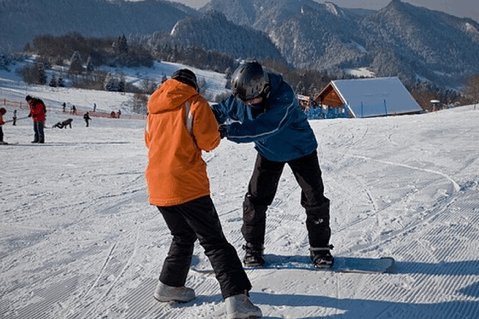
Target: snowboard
341,264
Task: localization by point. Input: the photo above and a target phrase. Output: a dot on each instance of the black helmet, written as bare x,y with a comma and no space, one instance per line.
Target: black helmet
186,76
249,81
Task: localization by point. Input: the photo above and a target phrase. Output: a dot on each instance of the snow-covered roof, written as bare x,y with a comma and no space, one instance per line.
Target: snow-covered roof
375,96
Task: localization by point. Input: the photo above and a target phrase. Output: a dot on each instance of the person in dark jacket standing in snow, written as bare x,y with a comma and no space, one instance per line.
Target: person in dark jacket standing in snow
264,109
87,118
180,125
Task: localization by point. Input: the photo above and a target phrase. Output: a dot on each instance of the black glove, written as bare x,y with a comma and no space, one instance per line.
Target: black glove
29,114
223,131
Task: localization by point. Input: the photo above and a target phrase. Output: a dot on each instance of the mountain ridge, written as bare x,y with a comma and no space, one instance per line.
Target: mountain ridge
403,40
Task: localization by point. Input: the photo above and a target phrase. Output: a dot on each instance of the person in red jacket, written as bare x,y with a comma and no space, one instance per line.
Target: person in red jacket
2,113
37,113
180,125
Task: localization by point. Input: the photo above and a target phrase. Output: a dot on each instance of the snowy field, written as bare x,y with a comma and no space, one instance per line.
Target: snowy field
79,240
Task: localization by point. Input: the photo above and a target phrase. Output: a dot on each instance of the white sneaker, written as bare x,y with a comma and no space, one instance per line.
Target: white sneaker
239,306
165,293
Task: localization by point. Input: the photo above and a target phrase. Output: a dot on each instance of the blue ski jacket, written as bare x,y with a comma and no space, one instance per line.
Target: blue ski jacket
278,127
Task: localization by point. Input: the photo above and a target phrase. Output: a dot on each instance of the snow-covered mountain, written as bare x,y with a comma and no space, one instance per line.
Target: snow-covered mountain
22,20
212,31
399,40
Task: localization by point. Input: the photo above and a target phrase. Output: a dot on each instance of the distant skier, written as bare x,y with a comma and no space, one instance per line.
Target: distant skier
264,109
14,118
87,118
38,114
3,111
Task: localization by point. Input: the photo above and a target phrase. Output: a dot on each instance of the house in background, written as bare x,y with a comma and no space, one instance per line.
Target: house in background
369,97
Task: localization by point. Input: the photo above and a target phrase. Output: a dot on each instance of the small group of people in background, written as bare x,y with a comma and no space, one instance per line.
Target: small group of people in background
38,111
73,109
114,115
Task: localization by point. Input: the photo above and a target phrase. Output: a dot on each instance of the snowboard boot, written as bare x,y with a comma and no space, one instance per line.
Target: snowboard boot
322,257
253,256
165,293
239,306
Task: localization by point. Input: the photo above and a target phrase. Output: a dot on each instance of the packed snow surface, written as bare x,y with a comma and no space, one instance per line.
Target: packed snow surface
79,240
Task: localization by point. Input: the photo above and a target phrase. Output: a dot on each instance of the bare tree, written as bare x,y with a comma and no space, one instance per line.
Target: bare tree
471,89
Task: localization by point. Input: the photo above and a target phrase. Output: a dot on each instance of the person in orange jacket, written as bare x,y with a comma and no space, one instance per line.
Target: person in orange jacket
37,113
180,125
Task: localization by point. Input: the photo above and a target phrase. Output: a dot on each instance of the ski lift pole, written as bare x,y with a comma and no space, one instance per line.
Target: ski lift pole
21,118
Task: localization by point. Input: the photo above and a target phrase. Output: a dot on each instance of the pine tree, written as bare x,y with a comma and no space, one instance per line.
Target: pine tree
42,74
122,45
60,82
121,84
110,83
53,81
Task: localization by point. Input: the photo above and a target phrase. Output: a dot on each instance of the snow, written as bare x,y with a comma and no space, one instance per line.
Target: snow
79,239
360,72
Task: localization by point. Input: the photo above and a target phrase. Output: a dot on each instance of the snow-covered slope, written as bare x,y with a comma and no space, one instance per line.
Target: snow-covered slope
79,240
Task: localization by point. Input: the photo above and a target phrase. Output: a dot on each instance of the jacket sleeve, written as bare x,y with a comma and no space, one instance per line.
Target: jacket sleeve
205,128
281,111
222,109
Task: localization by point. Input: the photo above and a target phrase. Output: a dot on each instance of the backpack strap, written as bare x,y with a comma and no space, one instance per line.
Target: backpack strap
189,118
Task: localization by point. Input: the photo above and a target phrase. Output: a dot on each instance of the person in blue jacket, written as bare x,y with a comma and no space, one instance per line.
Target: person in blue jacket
264,109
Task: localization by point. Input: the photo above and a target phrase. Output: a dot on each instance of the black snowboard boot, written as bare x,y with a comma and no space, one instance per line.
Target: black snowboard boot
253,256
322,257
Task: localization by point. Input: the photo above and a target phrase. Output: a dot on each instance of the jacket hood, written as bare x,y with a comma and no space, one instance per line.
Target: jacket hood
172,94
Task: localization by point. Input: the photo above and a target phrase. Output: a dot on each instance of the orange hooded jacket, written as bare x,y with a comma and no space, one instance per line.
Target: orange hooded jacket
180,124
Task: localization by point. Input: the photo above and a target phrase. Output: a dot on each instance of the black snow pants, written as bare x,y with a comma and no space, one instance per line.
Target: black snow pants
262,189
198,219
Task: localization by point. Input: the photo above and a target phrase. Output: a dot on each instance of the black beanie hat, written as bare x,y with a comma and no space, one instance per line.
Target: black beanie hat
28,98
186,76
